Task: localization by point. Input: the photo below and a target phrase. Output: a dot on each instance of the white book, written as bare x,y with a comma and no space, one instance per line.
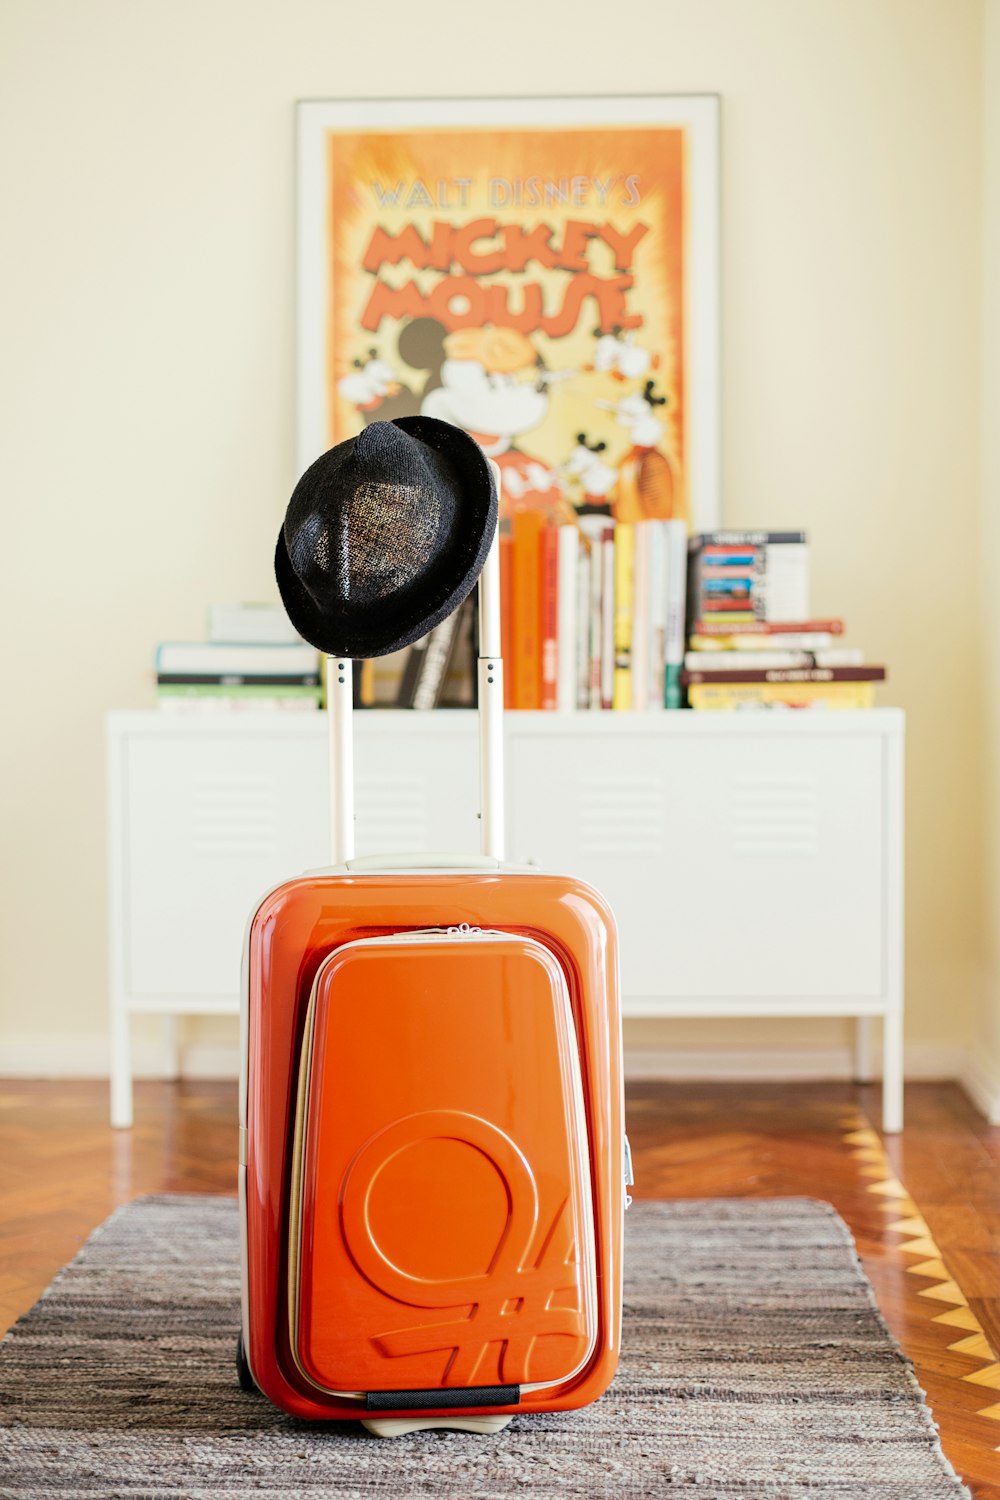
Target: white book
596,617
235,659
607,620
840,656
583,612
788,640
744,661
222,705
256,624
640,617
786,581
566,619
677,551
657,613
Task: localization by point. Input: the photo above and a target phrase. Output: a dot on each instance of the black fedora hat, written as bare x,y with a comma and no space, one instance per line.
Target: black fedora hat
385,535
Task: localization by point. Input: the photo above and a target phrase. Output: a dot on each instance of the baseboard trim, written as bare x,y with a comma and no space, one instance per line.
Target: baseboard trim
980,1078
921,1061
90,1059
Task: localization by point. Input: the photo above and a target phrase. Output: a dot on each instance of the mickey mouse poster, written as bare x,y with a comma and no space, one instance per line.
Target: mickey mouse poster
541,272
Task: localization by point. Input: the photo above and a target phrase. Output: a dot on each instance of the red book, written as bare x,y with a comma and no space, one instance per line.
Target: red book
790,674
548,612
507,616
526,530
767,627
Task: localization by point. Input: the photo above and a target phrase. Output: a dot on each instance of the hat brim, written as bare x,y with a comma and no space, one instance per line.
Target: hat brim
378,630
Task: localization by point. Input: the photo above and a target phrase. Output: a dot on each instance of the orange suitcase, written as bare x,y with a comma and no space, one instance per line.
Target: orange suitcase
432,1150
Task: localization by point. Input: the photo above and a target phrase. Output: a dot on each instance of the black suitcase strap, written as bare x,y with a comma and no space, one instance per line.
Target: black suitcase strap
476,1395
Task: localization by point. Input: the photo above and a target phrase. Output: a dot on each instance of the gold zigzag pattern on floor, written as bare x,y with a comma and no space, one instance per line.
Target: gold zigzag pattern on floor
867,1149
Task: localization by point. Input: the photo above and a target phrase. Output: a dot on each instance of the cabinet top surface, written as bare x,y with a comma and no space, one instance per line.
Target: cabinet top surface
869,721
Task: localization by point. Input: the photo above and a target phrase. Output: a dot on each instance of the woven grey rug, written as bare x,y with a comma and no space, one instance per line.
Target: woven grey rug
755,1364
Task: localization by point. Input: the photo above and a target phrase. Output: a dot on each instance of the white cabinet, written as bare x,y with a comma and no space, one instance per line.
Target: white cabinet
754,862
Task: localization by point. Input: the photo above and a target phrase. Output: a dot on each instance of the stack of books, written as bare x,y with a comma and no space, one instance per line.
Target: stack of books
753,643
592,614
253,659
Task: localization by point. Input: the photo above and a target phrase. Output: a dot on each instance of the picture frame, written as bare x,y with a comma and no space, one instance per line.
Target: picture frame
541,271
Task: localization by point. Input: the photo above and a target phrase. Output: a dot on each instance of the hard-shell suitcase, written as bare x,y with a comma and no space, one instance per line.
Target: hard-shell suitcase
432,1150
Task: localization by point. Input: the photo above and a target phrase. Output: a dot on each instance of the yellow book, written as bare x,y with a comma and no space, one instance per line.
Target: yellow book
749,695
624,575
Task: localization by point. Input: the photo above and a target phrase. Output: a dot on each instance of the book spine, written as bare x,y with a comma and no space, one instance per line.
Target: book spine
838,656
607,616
236,679
596,619
786,592
743,538
459,687
583,622
763,695
624,595
677,573
548,616
241,690
746,661
411,673
657,615
789,674
251,625
209,658
527,526
260,703
640,618
364,684
507,615
434,666
724,626
567,616
764,645
733,611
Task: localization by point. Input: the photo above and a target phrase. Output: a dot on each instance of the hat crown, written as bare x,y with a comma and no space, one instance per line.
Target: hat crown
380,527
374,526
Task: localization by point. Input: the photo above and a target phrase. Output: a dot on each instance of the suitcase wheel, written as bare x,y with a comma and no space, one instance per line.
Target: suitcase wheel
242,1368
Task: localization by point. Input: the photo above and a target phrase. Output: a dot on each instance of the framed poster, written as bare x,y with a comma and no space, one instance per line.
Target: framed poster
541,272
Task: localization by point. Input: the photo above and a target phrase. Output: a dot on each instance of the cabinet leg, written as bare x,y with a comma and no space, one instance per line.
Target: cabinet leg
121,1068
892,1073
862,1049
171,1046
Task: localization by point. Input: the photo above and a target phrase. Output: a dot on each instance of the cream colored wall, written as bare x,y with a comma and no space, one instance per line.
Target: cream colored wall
986,1074
147,307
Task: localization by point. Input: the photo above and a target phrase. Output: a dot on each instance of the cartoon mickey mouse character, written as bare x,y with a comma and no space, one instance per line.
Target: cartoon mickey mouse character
617,354
368,385
492,382
596,478
645,489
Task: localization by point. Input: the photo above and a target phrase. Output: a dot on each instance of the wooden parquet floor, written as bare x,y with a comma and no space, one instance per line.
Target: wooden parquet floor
924,1207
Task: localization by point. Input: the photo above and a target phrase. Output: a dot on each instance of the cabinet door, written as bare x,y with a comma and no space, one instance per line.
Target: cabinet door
212,822
417,784
738,865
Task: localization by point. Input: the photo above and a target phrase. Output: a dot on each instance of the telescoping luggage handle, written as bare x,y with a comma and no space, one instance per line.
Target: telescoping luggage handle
340,703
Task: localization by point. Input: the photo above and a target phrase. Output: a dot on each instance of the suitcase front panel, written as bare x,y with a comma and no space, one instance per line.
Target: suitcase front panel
441,1229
